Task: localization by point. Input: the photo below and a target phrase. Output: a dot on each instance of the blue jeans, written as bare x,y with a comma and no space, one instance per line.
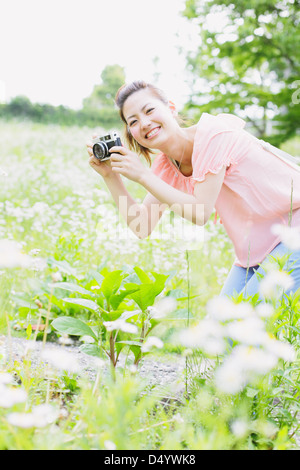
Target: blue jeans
247,281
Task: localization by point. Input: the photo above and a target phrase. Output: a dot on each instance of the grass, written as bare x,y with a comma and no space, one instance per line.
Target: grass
59,211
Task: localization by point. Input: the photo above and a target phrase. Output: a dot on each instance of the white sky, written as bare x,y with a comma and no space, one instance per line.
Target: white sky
53,51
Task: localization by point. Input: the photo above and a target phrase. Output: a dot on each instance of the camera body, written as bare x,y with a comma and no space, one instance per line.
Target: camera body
101,145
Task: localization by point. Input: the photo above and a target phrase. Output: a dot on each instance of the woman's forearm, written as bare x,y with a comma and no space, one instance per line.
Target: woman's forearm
183,204
135,214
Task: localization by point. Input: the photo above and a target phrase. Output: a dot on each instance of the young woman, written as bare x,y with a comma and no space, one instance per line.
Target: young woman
213,164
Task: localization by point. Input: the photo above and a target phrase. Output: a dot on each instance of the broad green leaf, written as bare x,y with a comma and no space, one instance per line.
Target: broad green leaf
22,302
112,282
91,349
63,266
116,299
131,343
142,275
71,287
72,326
89,304
145,294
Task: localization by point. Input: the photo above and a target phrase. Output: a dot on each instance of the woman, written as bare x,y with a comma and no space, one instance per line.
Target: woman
213,164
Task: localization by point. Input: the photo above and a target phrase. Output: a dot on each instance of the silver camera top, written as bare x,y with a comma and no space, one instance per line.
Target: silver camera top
107,138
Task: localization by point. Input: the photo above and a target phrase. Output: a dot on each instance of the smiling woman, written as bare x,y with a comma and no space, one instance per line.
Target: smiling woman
213,164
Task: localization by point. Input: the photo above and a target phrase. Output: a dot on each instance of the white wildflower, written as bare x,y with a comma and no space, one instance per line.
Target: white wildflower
264,310
41,416
239,428
120,324
253,360
243,364
61,359
249,331
109,445
56,277
207,335
290,236
11,396
11,255
229,379
224,309
152,341
3,173
274,282
5,378
163,307
280,349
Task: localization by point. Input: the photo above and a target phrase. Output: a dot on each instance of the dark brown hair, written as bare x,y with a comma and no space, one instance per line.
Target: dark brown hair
122,95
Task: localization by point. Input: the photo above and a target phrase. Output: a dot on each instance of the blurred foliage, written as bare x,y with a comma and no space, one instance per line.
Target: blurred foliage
98,109
249,66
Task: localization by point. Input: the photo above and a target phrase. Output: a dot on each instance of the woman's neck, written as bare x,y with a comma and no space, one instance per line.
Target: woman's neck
180,147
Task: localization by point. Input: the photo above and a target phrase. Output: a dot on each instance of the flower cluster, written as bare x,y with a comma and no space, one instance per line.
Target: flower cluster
238,332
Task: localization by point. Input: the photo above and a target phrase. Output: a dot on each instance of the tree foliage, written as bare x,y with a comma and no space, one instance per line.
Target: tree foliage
250,65
98,109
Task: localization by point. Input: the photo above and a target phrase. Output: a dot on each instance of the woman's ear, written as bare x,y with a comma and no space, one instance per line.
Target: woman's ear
173,108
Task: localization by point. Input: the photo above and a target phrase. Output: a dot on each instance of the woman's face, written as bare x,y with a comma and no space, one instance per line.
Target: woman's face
150,121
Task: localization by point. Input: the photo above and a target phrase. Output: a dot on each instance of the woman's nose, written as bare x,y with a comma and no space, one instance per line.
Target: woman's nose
145,122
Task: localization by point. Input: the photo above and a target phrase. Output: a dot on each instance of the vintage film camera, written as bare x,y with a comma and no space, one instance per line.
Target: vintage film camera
101,145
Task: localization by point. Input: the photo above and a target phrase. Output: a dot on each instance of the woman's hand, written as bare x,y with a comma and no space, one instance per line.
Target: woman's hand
127,163
103,168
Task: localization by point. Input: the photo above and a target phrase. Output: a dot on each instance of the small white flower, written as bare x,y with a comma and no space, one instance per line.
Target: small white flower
11,255
250,331
3,173
229,379
109,445
290,236
264,310
56,277
61,360
207,335
239,428
274,282
5,378
224,309
120,324
280,349
41,416
151,342
22,420
163,307
11,396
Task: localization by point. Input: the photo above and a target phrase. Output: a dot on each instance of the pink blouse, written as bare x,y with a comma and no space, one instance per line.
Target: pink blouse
256,191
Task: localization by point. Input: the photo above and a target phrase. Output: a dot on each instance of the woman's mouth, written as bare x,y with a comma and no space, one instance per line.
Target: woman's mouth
153,132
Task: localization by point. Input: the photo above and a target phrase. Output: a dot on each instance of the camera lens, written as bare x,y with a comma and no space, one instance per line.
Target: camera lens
100,151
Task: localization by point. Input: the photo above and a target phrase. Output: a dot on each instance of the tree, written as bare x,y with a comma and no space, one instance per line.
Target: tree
250,66
112,77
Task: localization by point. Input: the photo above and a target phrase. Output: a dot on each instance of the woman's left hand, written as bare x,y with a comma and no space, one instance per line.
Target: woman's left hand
127,163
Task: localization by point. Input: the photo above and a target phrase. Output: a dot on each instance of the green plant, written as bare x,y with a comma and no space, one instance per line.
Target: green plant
116,321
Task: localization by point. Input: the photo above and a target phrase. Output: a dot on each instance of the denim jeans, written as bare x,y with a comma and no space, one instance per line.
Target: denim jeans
247,280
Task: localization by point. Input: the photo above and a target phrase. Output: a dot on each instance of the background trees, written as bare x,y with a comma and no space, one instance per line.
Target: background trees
250,66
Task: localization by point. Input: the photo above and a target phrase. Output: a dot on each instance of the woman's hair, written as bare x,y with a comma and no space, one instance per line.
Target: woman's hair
122,95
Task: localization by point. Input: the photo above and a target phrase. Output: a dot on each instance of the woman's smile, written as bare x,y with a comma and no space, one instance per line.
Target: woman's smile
153,132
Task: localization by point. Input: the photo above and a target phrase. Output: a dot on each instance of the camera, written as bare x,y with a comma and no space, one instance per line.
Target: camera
101,145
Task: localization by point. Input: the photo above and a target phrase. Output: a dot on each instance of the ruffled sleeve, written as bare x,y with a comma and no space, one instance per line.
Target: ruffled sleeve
218,143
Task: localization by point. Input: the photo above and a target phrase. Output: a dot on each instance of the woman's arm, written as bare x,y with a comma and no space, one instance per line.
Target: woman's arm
196,207
140,218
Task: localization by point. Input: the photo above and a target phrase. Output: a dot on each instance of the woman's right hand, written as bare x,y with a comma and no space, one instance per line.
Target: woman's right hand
103,168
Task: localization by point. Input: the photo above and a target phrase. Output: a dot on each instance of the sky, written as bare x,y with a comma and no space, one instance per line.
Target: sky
53,51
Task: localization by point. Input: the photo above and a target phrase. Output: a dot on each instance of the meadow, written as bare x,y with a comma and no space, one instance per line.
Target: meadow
70,271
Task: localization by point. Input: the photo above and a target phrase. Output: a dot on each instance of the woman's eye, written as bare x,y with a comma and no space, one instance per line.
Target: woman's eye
132,123
149,110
